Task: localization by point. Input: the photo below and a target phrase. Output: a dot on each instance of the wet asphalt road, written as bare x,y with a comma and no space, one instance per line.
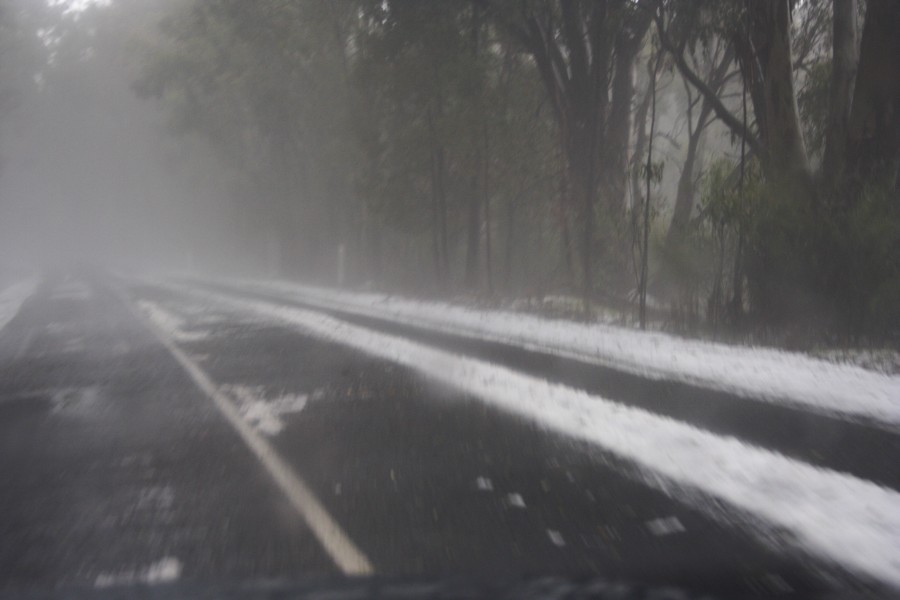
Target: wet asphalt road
117,468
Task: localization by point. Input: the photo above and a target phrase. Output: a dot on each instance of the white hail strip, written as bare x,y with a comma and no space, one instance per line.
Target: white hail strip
849,520
761,373
334,540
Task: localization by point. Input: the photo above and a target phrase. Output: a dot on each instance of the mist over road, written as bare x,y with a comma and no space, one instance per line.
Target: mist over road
380,293
119,468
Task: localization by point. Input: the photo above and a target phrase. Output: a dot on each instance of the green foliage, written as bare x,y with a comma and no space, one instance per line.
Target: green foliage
812,268
724,200
359,119
699,263
863,273
437,78
818,268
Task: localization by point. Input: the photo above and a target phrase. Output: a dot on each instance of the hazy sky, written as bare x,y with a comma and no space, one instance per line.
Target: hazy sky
90,171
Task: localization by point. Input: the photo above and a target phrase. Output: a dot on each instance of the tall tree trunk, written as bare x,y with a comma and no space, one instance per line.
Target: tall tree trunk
442,214
618,136
473,235
873,144
438,206
640,146
684,196
479,209
565,201
843,74
510,230
588,192
439,190
580,177
645,251
486,204
786,158
375,263
737,272
628,43
572,56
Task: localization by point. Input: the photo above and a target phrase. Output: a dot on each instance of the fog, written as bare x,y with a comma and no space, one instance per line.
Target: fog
308,291
90,172
426,148
93,173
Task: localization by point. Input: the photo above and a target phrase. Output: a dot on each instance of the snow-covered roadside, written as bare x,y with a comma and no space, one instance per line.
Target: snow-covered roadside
766,374
882,360
842,518
12,298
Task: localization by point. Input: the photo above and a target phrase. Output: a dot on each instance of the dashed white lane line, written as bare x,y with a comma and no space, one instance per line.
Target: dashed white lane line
334,540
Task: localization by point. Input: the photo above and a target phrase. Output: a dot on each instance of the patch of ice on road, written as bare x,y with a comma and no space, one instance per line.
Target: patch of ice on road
172,324
12,298
762,373
665,526
515,500
265,414
165,570
556,537
843,518
484,484
75,402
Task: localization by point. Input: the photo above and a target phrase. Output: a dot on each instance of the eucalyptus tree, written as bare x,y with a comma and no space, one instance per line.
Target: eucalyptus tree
585,53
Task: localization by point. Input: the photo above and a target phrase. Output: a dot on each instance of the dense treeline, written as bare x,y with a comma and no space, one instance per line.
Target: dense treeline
728,164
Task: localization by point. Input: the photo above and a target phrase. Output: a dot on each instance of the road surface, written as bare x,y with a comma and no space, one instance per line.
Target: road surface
239,449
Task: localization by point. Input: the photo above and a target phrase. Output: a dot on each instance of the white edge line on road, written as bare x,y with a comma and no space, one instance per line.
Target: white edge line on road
837,517
334,540
871,413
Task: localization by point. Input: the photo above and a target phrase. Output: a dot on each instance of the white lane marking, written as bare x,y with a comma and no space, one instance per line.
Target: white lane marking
839,517
778,377
334,540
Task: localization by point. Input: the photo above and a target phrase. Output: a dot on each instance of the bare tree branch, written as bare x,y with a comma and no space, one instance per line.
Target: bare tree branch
722,112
